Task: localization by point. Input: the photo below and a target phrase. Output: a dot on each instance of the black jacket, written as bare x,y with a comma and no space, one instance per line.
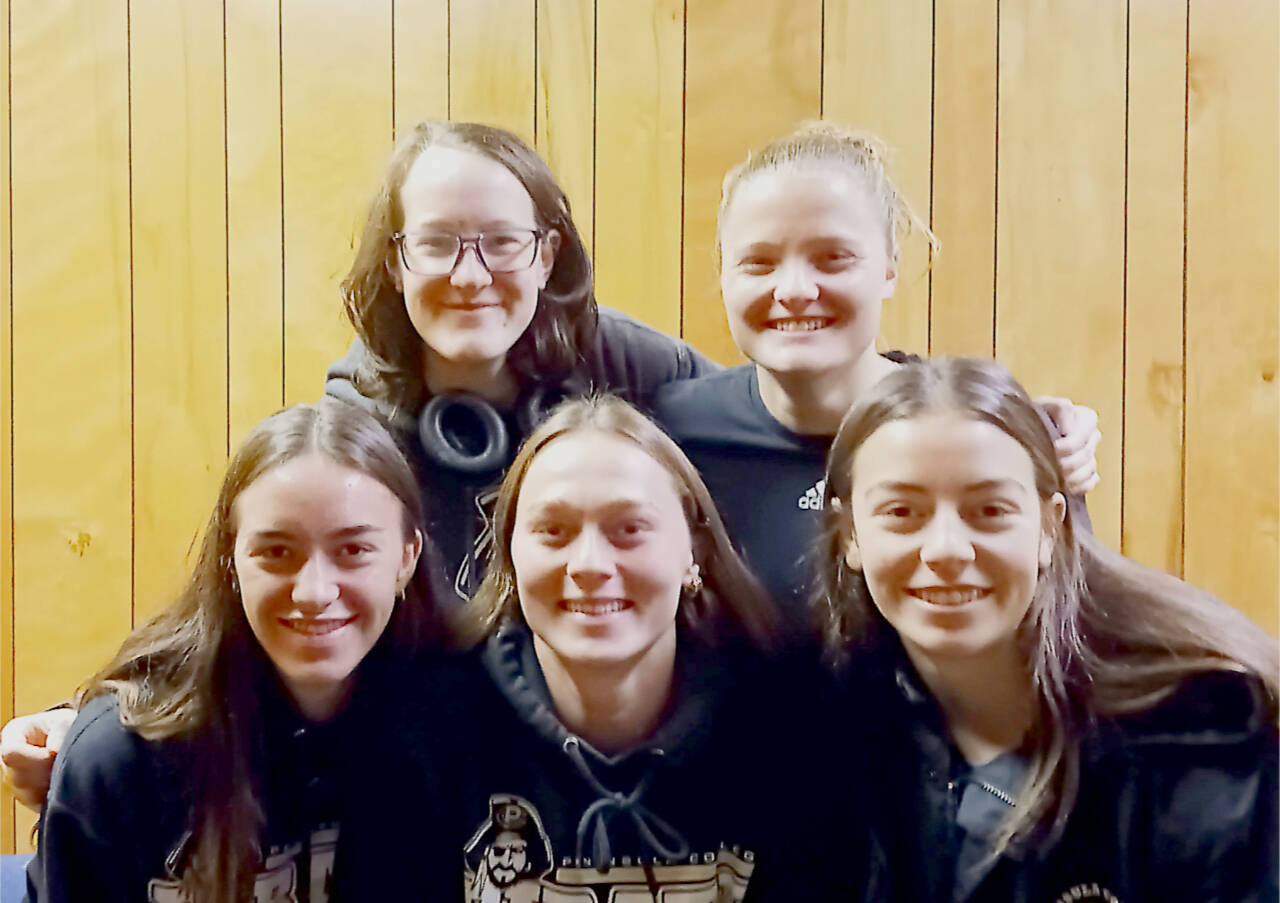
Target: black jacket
1175,804
626,358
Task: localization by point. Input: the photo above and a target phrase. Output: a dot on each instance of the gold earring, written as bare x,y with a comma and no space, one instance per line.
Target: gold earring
693,585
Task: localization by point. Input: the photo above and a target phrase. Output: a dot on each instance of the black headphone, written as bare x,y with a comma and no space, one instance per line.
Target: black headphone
463,432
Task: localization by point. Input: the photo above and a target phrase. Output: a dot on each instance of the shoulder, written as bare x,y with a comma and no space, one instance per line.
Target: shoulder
100,756
340,382
635,359
705,406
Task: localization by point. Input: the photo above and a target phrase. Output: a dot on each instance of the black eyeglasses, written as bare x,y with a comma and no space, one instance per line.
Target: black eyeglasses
499,251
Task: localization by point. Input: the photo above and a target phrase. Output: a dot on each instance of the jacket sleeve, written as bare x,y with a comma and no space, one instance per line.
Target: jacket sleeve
1215,837
635,360
340,378
89,833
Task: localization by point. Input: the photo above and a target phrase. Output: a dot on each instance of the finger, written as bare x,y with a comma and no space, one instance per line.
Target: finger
19,758
1072,457
1058,410
1082,481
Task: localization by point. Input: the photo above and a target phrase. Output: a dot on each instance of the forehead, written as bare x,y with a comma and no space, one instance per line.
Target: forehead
802,199
941,452
458,184
589,467
313,493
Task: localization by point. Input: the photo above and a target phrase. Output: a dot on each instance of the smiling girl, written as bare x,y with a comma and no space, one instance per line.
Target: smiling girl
1050,720
209,759
622,730
808,237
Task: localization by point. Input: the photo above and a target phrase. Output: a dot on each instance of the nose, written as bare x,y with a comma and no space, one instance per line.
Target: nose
947,548
469,271
315,586
795,285
590,561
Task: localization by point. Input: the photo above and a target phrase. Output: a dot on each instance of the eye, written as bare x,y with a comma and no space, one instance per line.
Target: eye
836,259
354,550
756,266
506,241
551,533
273,552
433,243
995,510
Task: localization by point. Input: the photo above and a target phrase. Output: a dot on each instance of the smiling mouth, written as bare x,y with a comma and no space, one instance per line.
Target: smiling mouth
594,607
800,324
949,596
315,626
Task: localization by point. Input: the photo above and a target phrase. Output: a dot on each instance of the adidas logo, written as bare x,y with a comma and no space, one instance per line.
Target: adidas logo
812,498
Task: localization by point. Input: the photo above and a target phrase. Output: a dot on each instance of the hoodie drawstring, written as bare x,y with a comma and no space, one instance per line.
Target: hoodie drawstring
670,846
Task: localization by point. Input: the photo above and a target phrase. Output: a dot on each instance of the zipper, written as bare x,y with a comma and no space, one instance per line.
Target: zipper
997,793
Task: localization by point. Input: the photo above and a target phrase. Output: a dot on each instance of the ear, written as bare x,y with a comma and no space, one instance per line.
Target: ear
1055,514
392,263
890,277
549,247
852,554
409,560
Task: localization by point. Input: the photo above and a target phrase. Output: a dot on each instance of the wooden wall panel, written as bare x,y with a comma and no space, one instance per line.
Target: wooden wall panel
962,298
491,67
420,45
748,78
1060,233
1153,371
180,292
336,114
7,828
565,104
71,344
877,62
639,159
1232,286
255,217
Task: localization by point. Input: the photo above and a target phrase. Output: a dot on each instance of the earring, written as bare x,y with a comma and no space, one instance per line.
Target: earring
693,585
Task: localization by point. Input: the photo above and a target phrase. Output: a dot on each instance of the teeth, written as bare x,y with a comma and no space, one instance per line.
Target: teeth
587,607
316,627
957,596
800,324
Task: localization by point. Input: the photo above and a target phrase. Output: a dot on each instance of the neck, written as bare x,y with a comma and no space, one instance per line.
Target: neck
491,380
611,706
320,704
813,404
989,701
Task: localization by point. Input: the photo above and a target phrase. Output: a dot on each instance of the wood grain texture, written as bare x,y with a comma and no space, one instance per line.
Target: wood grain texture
748,78
179,230
71,344
255,217
1232,286
491,67
1153,365
336,86
867,48
638,160
962,309
565,103
1060,228
421,48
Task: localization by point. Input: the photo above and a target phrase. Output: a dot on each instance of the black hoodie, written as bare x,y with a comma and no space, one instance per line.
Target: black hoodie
728,798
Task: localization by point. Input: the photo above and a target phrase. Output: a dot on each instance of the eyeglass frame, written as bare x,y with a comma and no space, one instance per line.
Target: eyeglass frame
538,234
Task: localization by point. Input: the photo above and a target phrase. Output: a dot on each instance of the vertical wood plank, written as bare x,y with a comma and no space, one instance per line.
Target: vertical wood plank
868,47
770,54
1060,233
179,286
491,66
962,302
639,112
1153,371
7,827
71,344
336,117
255,219
565,103
420,43
1232,285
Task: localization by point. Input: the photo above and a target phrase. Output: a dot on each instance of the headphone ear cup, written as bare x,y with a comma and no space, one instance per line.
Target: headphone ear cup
464,433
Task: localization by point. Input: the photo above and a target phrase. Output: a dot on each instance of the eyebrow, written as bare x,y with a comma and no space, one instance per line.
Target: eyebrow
559,506
981,486
344,533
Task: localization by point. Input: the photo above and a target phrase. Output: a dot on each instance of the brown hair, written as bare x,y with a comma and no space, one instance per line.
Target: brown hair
731,601
194,672
1104,635
828,143
565,320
